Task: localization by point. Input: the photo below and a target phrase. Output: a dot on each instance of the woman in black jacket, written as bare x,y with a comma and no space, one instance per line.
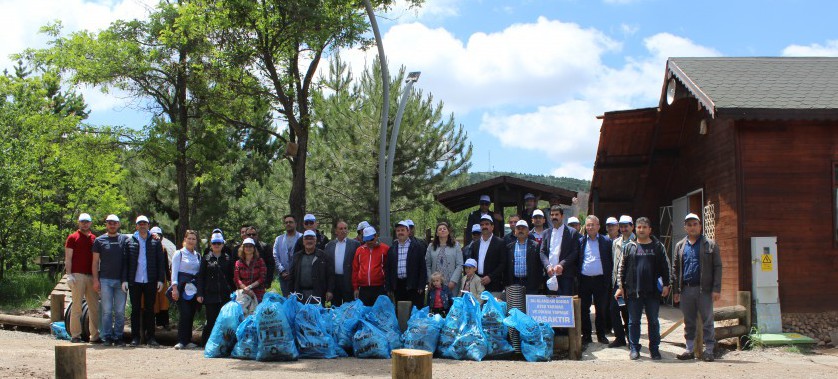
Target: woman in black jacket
215,282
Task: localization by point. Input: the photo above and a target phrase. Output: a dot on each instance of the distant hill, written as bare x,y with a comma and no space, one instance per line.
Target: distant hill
572,184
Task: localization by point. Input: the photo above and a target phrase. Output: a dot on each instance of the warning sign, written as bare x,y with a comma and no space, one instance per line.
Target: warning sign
767,264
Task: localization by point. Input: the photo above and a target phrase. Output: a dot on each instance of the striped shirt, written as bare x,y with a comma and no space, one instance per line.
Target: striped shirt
521,259
402,269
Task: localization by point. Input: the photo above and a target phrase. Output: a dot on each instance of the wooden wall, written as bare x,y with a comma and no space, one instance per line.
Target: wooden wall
787,174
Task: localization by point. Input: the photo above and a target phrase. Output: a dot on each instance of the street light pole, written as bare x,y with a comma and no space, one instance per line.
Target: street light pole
412,77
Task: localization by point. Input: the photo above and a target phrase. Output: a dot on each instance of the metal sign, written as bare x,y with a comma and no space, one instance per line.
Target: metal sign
556,311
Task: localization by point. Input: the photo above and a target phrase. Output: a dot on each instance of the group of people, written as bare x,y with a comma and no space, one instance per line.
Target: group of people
621,274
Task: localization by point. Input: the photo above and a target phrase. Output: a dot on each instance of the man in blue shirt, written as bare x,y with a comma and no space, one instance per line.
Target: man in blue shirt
595,279
142,277
697,269
524,266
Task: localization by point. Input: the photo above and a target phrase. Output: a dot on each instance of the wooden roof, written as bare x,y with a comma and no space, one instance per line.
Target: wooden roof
505,191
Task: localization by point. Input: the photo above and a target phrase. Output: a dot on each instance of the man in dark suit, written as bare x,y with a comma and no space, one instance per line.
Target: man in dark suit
313,271
341,250
490,253
560,252
595,266
475,217
523,262
143,272
405,273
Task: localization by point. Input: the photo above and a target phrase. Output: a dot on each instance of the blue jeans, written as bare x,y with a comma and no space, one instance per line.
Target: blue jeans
113,309
635,308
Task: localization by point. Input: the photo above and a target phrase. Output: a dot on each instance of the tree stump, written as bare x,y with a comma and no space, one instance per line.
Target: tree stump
56,308
574,334
71,361
412,364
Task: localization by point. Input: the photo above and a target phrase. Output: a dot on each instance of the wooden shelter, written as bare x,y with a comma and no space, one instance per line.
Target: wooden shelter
751,145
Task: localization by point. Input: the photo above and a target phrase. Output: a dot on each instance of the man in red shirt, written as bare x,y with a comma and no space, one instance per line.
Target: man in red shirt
368,268
78,263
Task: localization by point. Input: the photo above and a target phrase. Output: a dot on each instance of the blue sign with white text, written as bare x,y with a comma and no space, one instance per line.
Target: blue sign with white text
556,311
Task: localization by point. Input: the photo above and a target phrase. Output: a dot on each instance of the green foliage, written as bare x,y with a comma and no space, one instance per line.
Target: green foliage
24,290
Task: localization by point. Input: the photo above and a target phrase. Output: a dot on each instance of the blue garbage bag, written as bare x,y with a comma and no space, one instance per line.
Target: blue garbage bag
314,339
383,316
222,339
472,342
370,342
347,318
59,330
450,329
493,314
292,306
276,336
247,339
328,317
536,338
422,330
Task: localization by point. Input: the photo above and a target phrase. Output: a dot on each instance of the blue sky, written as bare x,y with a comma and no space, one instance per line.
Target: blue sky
526,78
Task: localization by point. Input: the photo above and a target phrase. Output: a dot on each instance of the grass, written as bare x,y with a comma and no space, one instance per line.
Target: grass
22,291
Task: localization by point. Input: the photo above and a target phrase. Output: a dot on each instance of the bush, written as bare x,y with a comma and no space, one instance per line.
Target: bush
24,290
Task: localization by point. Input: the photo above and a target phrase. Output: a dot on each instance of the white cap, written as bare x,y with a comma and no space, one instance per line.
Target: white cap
487,217
692,216
475,228
537,212
249,241
522,223
403,223
309,233
369,234
156,230
362,225
189,291
217,230
485,198
217,237
470,263
626,219
409,223
611,221
573,220
85,217
112,218
529,196
309,217
141,219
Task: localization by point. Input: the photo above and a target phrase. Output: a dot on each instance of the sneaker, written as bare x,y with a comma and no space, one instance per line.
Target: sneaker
179,346
634,355
656,355
135,341
152,342
707,357
191,346
76,340
617,343
686,356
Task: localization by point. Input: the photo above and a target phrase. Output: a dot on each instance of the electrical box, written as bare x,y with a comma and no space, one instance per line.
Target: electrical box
766,288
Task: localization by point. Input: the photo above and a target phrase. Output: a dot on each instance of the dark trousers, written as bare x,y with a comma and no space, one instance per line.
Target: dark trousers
137,292
401,293
619,319
593,289
342,294
186,315
636,305
368,295
212,311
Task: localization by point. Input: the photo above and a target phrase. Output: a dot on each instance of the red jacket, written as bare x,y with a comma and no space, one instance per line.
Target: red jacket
368,266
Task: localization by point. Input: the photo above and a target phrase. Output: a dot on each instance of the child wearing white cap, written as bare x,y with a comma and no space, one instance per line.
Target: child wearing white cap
471,281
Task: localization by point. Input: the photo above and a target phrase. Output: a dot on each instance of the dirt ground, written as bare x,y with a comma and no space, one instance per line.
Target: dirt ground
31,355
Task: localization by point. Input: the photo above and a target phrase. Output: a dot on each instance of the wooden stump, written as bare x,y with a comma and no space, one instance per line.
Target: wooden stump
71,361
412,364
574,334
56,308
403,309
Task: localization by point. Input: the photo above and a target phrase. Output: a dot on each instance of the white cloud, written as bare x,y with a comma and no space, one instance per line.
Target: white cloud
574,170
830,49
401,11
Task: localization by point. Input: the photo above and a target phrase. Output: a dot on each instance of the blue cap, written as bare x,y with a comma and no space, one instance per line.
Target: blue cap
216,238
409,223
529,196
475,228
309,217
189,291
369,234
485,198
309,233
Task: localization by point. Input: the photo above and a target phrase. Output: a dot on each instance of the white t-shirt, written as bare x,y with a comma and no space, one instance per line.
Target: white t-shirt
481,258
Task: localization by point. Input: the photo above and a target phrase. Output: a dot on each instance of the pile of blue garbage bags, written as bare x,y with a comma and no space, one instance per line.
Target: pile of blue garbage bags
284,329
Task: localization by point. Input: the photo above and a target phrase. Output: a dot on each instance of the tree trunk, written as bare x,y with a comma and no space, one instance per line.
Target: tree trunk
181,163
297,196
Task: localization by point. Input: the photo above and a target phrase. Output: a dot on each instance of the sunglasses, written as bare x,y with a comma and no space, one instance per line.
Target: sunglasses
308,222
252,234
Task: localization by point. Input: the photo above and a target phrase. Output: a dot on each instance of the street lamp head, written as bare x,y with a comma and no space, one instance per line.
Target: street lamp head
413,76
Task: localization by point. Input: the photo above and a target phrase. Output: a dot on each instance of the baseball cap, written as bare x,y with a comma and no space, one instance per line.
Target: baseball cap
403,223
537,212
112,217
217,230
248,241
485,198
409,223
475,228
369,234
156,230
362,225
573,220
85,217
470,263
529,196
309,233
522,223
216,238
487,217
692,216
309,217
611,221
189,291
626,219
141,219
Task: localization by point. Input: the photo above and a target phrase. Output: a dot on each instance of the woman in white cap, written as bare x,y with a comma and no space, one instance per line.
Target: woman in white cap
161,302
215,282
186,264
445,256
250,272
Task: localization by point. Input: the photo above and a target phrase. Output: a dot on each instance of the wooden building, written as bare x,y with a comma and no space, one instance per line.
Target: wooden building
751,144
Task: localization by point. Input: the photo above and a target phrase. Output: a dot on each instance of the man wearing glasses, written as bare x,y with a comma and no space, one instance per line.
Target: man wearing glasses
284,251
265,253
310,223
